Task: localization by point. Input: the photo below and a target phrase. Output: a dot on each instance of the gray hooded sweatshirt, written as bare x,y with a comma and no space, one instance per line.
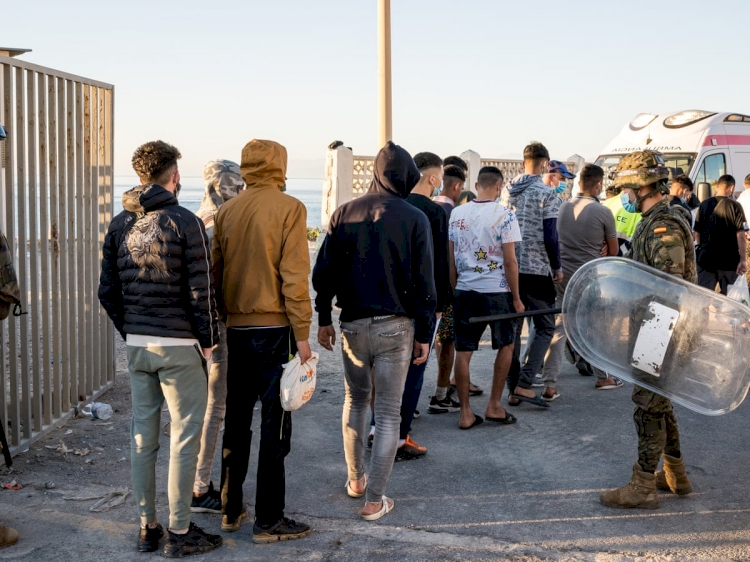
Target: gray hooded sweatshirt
536,206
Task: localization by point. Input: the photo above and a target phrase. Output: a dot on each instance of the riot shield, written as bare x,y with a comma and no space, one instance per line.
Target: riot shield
660,332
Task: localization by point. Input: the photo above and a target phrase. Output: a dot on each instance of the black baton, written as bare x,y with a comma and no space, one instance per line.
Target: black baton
513,315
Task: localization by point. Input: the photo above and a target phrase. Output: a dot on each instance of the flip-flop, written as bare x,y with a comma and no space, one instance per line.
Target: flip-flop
617,384
353,494
388,505
477,421
476,392
536,400
507,420
555,396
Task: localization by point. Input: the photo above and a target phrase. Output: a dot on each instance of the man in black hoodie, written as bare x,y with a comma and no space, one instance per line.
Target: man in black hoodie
155,286
377,261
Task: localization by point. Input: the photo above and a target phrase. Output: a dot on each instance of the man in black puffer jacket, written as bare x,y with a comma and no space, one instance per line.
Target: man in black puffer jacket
155,285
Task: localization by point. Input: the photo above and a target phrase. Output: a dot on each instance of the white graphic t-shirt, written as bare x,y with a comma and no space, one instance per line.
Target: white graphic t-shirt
478,231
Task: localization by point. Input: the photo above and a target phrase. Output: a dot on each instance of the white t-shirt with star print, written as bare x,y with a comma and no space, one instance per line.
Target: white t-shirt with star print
478,231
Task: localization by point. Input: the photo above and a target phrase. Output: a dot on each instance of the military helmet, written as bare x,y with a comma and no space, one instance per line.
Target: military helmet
642,168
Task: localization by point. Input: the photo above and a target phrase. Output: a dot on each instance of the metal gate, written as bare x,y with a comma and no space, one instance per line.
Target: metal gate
56,191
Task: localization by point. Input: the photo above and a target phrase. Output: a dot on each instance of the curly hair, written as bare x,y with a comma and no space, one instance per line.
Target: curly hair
155,161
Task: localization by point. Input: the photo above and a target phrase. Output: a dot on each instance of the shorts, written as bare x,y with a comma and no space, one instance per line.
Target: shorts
446,330
468,304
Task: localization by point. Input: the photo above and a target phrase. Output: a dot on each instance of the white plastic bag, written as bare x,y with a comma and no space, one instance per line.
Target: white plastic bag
739,292
298,382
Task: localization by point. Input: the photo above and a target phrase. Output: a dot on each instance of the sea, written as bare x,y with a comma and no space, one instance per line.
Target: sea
307,190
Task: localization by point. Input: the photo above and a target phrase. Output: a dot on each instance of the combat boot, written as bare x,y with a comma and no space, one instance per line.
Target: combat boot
640,492
673,477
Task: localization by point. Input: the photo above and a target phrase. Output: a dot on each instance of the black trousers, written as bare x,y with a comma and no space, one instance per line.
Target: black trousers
254,372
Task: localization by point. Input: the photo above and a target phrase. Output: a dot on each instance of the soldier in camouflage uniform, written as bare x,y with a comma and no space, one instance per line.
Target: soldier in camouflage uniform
663,240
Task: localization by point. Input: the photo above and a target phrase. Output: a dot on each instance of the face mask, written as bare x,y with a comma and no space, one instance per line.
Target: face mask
627,205
438,190
683,200
562,186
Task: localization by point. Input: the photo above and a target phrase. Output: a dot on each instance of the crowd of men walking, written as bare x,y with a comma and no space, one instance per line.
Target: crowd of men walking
212,305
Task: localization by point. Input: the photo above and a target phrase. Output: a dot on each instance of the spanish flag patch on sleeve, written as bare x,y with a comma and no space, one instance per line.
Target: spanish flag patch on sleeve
660,230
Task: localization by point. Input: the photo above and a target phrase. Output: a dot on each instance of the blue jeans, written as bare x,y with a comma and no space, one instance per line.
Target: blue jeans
378,351
412,390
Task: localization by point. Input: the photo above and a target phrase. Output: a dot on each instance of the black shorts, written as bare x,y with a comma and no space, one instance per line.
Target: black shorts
470,304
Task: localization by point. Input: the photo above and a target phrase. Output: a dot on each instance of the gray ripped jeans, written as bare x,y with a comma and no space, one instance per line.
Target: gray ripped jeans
376,351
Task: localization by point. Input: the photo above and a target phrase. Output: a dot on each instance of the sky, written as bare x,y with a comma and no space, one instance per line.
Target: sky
477,74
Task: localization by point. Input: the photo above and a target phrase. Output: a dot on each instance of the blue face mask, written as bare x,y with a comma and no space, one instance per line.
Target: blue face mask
627,205
562,186
438,190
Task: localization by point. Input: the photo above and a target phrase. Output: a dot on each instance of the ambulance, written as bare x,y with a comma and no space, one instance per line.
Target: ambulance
705,145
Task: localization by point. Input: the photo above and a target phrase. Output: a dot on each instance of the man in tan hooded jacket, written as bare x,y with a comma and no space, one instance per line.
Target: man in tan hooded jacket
261,266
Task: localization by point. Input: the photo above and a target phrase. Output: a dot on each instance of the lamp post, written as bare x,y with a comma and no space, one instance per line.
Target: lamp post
384,72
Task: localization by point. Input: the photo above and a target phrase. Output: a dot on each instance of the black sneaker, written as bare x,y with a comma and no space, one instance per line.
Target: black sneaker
445,406
195,541
210,502
284,530
370,439
416,414
148,539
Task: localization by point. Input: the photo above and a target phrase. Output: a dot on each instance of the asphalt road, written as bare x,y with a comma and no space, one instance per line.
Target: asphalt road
522,492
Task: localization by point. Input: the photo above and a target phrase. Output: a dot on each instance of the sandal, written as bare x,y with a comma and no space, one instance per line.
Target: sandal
351,493
535,400
509,419
475,391
609,386
476,422
387,507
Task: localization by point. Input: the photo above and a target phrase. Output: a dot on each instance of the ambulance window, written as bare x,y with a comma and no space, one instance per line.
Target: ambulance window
712,168
678,164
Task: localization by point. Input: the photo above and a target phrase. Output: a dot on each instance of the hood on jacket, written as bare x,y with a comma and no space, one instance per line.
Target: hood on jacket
263,164
394,171
221,181
519,183
147,197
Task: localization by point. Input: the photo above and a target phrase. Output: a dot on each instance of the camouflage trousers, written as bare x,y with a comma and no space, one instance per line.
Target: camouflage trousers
656,426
